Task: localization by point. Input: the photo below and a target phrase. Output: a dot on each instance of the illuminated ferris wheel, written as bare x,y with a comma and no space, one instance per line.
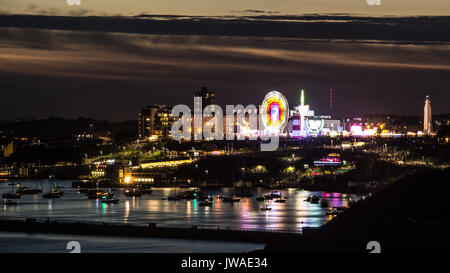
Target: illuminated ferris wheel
275,111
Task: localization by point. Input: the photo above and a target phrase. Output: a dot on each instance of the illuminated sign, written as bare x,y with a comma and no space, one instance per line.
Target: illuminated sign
314,126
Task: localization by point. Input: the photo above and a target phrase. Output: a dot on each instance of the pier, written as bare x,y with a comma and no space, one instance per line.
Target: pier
149,230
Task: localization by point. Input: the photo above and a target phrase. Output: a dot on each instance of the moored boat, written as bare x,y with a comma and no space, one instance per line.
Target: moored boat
27,190
231,199
333,211
266,206
53,194
206,203
313,199
133,192
11,195
107,200
9,202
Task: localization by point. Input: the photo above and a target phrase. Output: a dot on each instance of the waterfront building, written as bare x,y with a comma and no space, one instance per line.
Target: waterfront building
155,121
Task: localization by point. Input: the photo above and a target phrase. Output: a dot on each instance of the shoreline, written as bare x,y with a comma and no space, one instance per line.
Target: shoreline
150,230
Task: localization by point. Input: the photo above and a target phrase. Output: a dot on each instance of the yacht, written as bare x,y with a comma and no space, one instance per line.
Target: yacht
53,194
313,199
333,211
27,190
108,200
9,202
133,192
11,195
266,206
207,203
231,199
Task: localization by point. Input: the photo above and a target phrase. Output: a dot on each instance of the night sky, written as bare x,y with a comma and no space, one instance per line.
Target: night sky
108,67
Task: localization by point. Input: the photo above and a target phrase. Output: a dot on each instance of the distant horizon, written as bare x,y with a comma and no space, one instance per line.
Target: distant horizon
22,119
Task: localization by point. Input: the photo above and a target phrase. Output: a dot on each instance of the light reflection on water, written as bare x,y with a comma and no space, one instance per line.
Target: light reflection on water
294,214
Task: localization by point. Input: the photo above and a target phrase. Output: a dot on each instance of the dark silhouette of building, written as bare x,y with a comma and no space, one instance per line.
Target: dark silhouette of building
208,97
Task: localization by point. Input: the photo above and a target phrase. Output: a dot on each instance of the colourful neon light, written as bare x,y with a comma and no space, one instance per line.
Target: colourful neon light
275,110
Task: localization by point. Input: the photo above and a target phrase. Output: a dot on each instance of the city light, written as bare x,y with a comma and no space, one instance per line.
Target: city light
127,179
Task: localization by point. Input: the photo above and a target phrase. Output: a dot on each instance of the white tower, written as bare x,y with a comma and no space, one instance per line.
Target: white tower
427,123
304,112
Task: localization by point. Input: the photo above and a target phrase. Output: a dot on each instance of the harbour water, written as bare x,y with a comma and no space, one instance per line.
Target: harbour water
294,214
246,214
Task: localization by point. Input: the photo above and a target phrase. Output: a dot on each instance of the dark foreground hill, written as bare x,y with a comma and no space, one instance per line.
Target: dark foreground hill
411,215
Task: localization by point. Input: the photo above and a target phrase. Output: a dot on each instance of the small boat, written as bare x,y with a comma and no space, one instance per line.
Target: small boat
11,195
206,203
27,190
280,201
133,192
276,194
313,199
350,202
266,206
97,194
202,198
9,202
110,200
231,199
333,211
53,194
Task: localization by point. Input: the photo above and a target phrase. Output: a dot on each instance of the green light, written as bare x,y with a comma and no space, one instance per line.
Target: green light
302,98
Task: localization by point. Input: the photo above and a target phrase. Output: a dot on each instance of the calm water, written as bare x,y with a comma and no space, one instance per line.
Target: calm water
294,214
56,243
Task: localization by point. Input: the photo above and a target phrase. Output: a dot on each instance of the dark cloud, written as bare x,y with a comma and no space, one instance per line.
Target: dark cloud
310,26
110,75
257,11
